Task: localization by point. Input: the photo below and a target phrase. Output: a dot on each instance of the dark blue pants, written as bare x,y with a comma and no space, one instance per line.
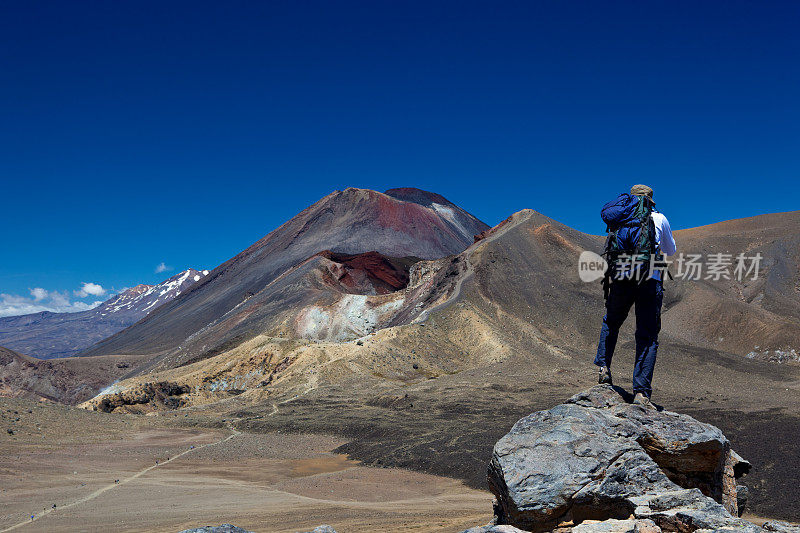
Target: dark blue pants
647,296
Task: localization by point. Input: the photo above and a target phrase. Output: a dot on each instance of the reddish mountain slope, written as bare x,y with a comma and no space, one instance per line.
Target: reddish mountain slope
400,223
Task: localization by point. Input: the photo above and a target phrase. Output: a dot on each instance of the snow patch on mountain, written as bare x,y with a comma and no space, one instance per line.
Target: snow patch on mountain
449,214
145,298
48,335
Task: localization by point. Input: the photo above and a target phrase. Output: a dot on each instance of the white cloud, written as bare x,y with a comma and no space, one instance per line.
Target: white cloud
90,288
53,301
59,299
163,268
38,294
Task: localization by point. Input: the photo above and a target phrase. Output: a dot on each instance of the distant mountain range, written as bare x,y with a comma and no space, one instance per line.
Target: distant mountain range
47,335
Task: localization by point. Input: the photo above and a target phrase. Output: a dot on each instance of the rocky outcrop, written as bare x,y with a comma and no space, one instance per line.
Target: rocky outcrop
224,528
599,463
164,393
781,527
618,526
493,529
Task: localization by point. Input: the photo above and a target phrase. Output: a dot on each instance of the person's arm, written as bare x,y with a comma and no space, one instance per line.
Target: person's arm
667,240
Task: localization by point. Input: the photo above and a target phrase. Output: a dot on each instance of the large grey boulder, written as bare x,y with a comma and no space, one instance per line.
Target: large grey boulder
598,457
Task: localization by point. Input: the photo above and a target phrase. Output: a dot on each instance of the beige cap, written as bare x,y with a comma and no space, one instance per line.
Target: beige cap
642,190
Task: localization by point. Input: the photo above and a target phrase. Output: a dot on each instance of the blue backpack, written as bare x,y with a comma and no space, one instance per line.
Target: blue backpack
631,231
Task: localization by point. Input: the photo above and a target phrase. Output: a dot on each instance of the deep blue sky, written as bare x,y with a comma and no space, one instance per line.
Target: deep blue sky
135,133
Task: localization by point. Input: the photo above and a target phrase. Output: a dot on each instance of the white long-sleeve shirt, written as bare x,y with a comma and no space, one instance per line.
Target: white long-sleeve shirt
665,242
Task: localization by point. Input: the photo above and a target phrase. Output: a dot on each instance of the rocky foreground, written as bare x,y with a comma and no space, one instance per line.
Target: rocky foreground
599,464
229,528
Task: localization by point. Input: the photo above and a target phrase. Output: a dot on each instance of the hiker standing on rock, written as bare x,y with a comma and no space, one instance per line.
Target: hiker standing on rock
638,238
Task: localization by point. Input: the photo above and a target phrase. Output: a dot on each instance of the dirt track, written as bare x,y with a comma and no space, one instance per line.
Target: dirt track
266,482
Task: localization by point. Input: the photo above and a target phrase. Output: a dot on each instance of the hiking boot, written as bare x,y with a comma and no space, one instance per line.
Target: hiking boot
644,401
604,377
